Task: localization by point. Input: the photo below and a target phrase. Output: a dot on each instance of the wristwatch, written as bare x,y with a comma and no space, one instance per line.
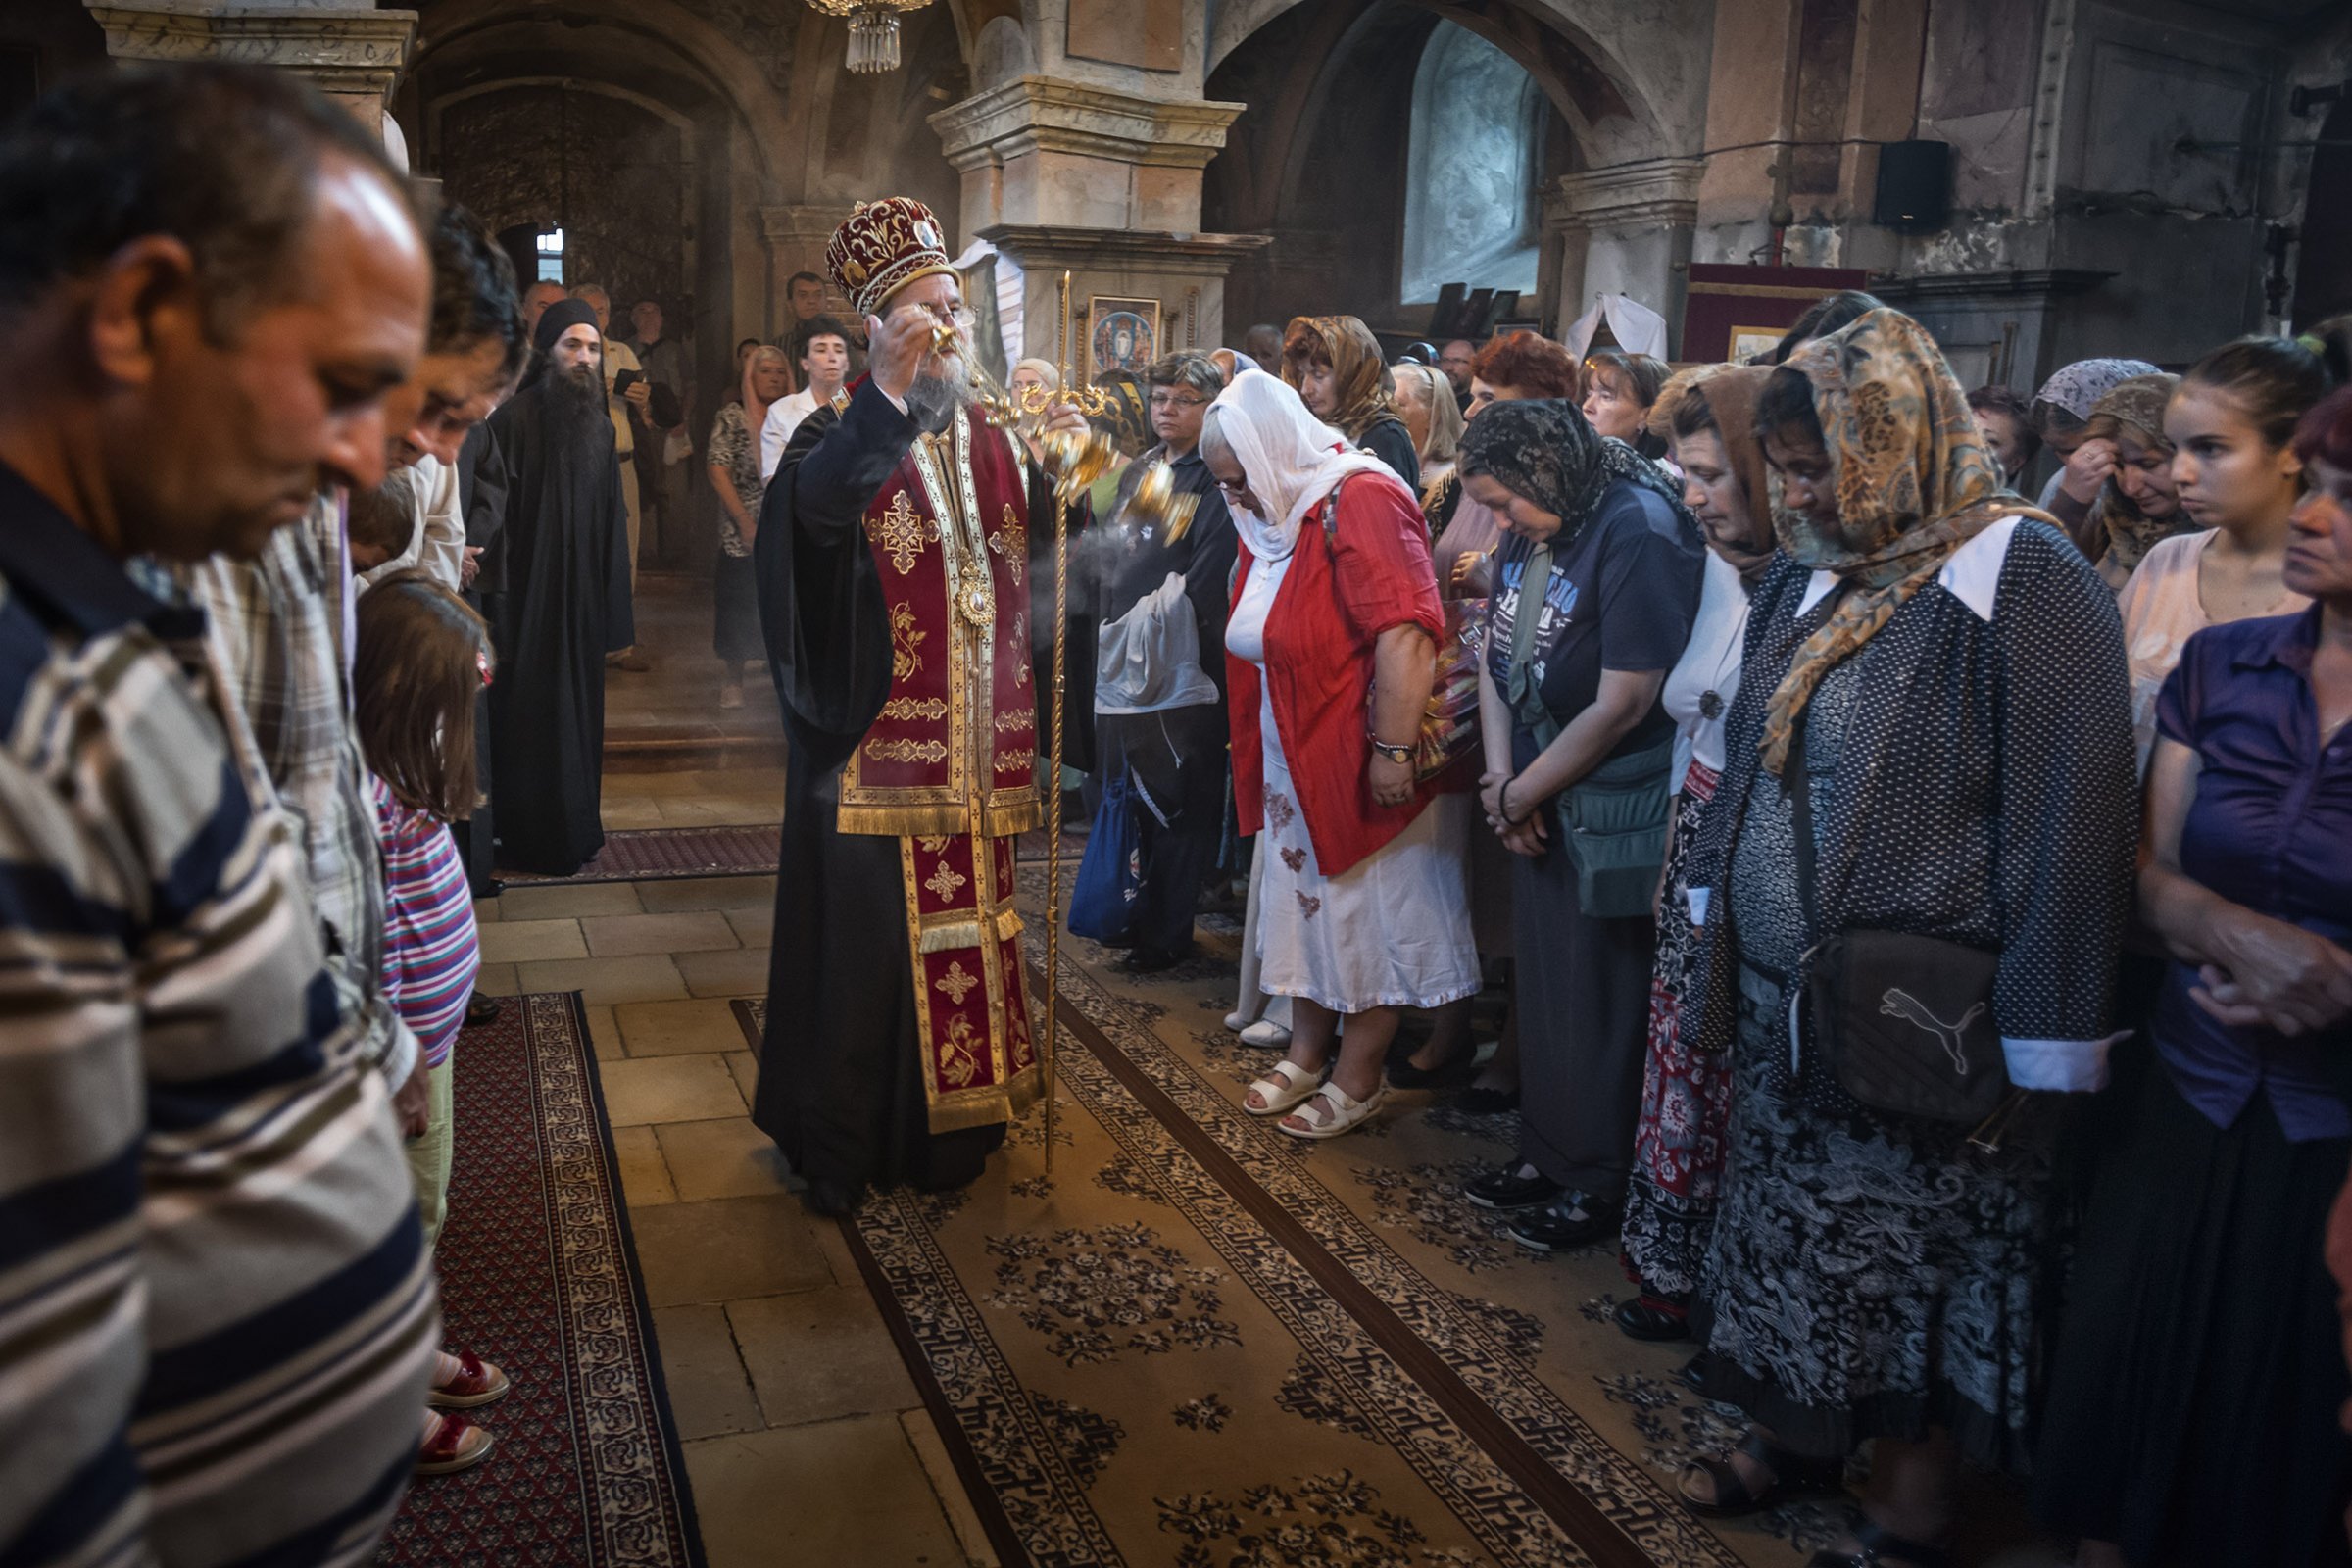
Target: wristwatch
1400,754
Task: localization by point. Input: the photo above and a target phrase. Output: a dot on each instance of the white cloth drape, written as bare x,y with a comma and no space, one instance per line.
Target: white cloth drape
1636,327
1291,459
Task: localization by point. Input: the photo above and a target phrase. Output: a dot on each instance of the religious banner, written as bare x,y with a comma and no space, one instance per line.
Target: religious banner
1731,313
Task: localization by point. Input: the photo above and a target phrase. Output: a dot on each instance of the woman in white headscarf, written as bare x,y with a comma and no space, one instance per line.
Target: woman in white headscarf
1332,642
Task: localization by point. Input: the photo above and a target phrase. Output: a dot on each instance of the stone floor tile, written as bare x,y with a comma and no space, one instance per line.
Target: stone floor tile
641,977
524,941
730,1159
754,926
742,972
561,901
820,1354
745,1068
708,893
708,1392
621,935
841,1491
496,980
604,1034
624,813
727,1250
644,1178
720,810
680,1028
485,911
670,1088
838,1257
922,1433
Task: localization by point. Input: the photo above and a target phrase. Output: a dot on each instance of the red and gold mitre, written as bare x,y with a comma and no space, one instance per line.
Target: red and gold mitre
884,246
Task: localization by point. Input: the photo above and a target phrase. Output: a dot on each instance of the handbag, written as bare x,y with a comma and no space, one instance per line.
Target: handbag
1612,823
1904,1021
1110,875
1449,720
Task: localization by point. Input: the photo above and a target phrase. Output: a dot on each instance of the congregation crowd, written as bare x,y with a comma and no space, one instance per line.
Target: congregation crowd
1923,910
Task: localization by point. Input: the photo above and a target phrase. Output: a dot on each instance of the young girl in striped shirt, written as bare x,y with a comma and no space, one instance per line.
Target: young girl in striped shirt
423,660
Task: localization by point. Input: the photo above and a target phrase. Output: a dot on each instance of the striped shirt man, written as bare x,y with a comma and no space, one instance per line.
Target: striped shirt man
217,1319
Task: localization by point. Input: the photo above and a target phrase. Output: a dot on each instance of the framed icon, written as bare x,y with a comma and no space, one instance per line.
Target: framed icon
1749,341
1121,334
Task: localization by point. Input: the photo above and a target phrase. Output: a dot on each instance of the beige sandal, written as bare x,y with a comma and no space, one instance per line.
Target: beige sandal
1344,1113
1283,1089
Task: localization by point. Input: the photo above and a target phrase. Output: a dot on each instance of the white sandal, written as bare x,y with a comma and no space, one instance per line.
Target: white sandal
1285,1088
1266,1035
1344,1113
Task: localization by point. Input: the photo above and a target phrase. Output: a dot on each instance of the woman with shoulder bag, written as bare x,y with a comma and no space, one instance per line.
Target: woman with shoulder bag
1596,584
1920,861
1332,659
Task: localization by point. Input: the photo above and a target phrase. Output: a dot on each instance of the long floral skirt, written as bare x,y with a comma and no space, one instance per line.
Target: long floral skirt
1686,1097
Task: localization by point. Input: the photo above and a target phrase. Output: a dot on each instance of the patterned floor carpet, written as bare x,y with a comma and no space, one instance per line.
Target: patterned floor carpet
1200,1341
538,1273
658,854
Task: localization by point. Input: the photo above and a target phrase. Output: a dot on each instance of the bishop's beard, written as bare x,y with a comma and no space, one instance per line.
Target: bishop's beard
932,400
576,400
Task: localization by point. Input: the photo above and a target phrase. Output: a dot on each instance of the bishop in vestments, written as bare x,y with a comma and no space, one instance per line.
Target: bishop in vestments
894,560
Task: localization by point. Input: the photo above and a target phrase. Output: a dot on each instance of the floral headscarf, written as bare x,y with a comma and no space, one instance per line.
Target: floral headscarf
1913,479
1359,372
1543,448
2136,405
2079,387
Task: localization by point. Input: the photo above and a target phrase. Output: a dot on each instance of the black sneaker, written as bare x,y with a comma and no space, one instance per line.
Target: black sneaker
1573,1220
481,1010
1154,961
1507,1188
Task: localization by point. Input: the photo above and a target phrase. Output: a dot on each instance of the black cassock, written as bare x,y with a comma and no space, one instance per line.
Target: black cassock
564,568
841,1089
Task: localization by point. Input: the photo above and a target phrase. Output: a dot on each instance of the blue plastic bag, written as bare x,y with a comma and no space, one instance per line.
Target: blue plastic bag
1112,875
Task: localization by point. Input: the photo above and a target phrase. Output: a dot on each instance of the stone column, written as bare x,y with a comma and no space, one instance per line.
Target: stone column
795,235
1063,174
353,52
1628,230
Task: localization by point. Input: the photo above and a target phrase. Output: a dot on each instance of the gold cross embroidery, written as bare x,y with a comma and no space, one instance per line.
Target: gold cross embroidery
1011,541
901,533
957,982
944,882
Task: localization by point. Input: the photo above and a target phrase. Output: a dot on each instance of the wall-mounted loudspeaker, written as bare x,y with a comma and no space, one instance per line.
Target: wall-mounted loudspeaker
1915,186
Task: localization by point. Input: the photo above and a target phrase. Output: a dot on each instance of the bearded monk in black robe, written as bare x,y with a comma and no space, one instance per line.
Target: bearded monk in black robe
565,547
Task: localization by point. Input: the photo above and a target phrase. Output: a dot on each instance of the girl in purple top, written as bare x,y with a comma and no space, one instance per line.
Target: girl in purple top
2193,1412
421,661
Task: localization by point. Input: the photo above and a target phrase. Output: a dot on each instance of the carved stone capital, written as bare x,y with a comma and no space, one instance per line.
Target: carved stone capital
351,49
803,222
1045,114
1654,193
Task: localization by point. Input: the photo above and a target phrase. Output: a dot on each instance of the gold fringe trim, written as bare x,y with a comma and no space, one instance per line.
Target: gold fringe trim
1009,925
988,1107
949,938
902,821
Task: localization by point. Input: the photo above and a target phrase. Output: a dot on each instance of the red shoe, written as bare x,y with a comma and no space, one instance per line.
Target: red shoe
455,1444
477,1383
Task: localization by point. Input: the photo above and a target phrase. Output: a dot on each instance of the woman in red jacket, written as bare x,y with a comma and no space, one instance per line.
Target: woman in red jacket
1330,649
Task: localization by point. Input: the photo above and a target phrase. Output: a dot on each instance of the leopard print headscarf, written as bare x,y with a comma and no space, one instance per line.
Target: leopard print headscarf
1913,479
1360,371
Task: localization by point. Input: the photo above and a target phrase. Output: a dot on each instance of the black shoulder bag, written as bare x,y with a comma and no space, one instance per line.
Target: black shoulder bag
1905,1022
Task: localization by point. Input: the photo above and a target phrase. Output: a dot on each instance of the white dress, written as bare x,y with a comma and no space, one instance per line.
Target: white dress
1393,930
2162,610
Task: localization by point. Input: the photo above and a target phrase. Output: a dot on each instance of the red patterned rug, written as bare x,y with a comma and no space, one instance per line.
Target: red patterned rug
658,854
539,1274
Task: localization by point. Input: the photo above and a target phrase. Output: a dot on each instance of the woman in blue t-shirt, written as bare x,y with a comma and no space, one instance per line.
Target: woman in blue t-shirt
1596,584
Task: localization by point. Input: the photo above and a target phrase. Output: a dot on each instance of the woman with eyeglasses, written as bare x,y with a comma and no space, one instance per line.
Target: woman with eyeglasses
1159,669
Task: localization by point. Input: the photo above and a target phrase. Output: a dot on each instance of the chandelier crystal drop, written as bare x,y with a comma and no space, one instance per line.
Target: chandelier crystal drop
873,30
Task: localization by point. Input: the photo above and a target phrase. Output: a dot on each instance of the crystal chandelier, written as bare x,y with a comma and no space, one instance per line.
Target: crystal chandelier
873,30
